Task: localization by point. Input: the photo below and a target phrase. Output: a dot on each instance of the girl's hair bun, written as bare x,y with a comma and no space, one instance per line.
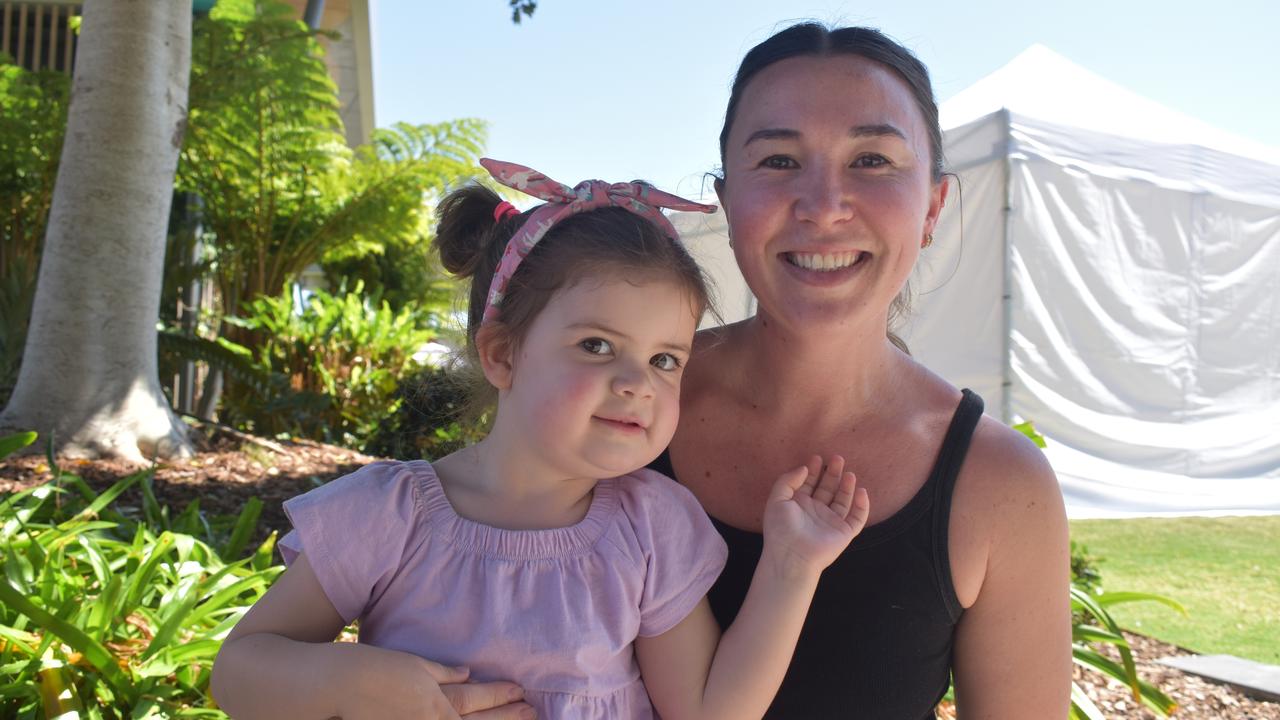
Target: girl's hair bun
465,229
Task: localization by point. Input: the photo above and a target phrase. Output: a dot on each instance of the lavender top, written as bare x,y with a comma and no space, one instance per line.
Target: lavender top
553,610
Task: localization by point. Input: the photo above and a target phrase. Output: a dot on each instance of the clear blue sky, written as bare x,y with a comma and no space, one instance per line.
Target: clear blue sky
622,90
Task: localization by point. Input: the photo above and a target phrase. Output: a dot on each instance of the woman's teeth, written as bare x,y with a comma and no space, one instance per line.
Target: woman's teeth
823,263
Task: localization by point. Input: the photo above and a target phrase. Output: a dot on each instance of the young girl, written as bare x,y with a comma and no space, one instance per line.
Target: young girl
545,554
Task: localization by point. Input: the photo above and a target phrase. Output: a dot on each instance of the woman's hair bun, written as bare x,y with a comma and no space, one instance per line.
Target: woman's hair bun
465,228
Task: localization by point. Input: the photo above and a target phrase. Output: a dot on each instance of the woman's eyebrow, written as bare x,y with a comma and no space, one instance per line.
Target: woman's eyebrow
876,130
771,134
879,130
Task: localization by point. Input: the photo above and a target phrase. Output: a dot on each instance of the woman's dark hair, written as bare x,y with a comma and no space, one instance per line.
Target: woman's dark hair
608,242
815,40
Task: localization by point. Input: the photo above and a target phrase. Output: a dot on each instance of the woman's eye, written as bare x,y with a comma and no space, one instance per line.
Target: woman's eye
596,346
665,361
870,161
778,162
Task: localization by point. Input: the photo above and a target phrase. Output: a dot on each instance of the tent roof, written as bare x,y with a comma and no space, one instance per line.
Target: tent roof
1041,84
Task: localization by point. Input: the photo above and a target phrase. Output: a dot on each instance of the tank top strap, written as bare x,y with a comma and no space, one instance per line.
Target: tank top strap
955,446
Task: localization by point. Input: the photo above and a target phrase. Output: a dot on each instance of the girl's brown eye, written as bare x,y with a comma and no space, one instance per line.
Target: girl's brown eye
596,346
866,161
665,361
778,162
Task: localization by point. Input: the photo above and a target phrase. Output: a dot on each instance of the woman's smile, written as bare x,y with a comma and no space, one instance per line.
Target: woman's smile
824,262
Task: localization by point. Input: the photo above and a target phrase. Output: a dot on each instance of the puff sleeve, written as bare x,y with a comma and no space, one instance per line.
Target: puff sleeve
683,552
356,531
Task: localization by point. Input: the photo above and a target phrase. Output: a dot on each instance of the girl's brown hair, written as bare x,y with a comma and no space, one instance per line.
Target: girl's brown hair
608,242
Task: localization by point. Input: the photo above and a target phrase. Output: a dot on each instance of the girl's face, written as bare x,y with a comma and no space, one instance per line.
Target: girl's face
827,189
596,379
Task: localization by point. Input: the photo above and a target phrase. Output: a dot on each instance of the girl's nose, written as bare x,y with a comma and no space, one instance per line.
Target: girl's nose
632,382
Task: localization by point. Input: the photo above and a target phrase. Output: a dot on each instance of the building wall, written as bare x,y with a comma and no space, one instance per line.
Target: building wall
350,62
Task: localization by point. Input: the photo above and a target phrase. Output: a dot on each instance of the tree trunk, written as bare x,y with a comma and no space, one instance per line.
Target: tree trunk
89,373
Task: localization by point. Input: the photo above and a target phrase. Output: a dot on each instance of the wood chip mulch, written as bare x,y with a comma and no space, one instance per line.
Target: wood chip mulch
227,469
1197,697
230,467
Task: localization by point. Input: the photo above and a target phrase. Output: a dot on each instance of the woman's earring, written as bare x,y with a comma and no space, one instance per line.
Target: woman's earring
928,240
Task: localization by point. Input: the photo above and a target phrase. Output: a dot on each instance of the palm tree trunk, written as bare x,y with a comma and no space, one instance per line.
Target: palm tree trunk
89,373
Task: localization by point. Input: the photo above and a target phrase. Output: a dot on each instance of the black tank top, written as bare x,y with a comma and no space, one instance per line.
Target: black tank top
877,640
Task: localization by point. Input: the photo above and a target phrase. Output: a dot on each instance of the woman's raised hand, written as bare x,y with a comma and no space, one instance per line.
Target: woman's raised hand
813,513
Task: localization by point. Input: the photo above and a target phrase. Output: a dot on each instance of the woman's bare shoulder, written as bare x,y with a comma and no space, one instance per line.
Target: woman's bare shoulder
1007,510
1004,466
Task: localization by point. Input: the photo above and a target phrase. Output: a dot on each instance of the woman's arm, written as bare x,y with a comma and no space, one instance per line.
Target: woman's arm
692,672
280,661
1013,645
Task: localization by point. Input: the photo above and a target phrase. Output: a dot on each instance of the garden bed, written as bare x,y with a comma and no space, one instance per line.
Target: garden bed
229,468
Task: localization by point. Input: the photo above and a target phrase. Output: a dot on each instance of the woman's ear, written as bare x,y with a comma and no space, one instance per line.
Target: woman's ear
494,347
937,200
718,185
728,226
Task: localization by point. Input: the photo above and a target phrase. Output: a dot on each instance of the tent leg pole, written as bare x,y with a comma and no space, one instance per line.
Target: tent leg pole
1006,300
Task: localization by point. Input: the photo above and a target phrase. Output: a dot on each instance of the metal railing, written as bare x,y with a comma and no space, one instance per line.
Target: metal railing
38,35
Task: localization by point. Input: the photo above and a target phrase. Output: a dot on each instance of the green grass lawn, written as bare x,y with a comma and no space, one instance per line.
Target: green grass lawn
1226,571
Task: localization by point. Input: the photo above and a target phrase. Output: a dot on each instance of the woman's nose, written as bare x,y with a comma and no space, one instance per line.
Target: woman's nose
823,196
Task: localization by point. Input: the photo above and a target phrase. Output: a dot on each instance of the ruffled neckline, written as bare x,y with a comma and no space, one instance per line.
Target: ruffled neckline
476,537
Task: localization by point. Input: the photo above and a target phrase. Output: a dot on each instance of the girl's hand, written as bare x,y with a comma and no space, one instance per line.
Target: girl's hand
397,684
812,515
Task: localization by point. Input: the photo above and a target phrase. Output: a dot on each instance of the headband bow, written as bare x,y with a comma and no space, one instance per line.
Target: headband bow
563,202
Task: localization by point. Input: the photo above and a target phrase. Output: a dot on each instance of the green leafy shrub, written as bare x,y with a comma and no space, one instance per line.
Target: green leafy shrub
428,422
335,367
280,191
112,611
1093,625
1084,568
33,111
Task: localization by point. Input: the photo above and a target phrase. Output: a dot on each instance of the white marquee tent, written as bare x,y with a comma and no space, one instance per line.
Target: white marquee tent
1117,282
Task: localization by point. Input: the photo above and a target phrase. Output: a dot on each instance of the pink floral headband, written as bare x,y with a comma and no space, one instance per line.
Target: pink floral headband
564,202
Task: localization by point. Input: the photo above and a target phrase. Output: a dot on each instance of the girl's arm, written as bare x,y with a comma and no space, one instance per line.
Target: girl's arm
280,661
692,672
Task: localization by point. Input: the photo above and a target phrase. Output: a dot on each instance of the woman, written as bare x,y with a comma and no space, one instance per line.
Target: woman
832,187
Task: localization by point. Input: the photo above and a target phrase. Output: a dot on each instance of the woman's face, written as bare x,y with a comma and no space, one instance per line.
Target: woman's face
828,189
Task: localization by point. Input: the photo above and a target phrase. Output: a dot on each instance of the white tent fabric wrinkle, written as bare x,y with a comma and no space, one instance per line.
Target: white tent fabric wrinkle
1140,260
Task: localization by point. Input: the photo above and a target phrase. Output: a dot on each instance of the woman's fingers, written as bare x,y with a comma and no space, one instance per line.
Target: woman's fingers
444,673
829,483
514,711
470,698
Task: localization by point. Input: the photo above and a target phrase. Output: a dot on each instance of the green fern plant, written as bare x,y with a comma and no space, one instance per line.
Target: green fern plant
265,151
